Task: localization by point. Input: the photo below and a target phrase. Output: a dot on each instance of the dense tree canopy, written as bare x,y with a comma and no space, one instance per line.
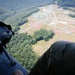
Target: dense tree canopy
68,3
43,34
21,46
16,14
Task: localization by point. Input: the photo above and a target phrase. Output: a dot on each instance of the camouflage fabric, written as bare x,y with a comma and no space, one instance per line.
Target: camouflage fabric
59,59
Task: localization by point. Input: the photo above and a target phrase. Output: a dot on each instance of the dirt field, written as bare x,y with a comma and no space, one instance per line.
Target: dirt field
51,18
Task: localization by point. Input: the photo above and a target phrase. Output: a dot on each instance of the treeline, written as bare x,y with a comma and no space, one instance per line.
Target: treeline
15,13
4,14
10,11
72,15
21,47
42,34
21,50
19,4
17,18
67,3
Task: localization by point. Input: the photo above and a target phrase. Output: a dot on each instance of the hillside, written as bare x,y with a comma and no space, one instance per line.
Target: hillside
21,9
50,17
66,3
19,4
15,13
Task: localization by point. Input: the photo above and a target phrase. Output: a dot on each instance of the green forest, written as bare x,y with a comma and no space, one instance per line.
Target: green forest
66,3
15,13
20,46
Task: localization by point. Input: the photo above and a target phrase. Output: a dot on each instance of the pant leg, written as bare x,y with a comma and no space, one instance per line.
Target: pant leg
48,63
41,65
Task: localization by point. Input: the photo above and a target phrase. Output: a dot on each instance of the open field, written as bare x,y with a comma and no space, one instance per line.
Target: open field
50,17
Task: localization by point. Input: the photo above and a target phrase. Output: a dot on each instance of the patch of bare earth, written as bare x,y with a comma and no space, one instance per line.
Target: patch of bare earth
51,18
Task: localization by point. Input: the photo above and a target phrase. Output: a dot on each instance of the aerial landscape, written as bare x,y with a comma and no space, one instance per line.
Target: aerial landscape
50,17
37,24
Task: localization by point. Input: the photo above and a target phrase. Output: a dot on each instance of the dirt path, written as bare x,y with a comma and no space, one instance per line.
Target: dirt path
51,18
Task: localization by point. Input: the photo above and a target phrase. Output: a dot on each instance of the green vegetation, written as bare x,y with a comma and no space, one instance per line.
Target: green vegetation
16,14
18,18
21,50
72,15
17,11
43,34
4,14
68,3
21,47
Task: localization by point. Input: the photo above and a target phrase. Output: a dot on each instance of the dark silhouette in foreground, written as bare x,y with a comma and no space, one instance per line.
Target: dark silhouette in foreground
8,64
59,59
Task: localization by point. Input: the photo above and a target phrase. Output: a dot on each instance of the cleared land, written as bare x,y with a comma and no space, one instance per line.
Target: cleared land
50,17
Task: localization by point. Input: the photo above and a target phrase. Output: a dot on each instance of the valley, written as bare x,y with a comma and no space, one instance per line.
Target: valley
50,17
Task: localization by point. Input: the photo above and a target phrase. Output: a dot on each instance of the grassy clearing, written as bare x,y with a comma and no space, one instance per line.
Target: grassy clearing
60,23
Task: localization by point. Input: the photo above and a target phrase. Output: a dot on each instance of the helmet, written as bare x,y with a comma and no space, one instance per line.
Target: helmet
5,33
